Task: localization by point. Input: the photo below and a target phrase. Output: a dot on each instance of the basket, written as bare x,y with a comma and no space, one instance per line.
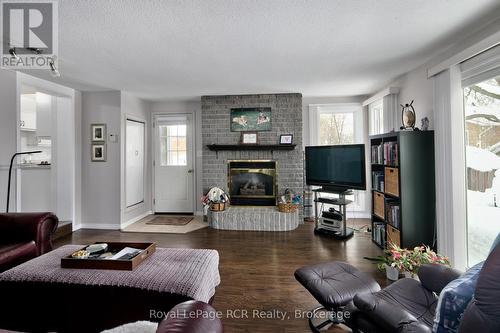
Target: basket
287,207
217,206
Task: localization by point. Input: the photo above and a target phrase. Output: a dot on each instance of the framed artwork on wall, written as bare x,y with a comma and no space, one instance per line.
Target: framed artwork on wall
286,139
250,119
249,138
98,152
98,132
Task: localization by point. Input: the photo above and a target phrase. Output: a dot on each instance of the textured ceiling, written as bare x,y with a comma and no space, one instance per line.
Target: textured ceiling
180,50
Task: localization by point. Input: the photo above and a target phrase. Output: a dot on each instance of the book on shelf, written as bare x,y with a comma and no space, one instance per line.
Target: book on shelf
378,180
391,153
377,154
379,233
386,154
392,215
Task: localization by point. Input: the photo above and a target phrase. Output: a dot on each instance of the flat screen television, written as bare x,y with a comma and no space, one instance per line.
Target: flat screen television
339,167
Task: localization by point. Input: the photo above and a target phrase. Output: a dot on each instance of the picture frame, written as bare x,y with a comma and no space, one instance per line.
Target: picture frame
98,152
250,119
98,132
249,138
286,139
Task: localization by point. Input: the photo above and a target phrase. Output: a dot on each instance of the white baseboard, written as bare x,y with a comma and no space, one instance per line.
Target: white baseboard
198,213
135,219
103,226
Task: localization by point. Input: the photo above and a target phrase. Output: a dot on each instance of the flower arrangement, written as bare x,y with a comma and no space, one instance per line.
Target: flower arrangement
215,196
405,260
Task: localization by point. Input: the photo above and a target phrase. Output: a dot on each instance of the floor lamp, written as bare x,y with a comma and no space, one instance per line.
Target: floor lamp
10,172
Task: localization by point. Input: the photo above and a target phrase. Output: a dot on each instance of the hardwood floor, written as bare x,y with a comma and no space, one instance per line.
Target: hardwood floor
257,268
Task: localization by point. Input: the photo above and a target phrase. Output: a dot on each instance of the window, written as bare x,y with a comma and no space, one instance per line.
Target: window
337,124
376,117
340,124
336,128
173,145
482,151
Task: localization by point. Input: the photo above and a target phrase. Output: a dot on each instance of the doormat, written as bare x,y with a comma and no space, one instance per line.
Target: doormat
170,220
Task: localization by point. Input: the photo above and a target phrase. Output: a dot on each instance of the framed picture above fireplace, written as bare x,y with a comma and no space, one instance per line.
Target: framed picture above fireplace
249,138
286,139
250,119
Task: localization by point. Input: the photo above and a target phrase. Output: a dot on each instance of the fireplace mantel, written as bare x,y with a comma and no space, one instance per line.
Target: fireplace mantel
216,147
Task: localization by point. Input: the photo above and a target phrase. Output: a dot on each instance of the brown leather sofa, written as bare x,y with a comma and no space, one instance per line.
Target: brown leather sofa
24,236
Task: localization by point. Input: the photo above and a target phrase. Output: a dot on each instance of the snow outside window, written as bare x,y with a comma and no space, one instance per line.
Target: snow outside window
482,134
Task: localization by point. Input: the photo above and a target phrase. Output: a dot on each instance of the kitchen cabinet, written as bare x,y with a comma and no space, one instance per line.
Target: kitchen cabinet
28,112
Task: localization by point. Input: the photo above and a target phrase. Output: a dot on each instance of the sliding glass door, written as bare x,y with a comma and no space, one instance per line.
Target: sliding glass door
482,141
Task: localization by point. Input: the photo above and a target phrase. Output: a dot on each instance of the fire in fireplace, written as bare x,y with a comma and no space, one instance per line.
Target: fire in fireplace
252,183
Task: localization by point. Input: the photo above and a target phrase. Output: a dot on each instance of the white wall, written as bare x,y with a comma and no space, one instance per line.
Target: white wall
136,109
415,85
194,108
101,181
8,126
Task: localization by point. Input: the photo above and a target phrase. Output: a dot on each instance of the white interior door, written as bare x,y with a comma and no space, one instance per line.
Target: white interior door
174,174
134,164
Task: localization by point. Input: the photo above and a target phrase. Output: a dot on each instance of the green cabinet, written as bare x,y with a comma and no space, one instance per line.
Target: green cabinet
403,188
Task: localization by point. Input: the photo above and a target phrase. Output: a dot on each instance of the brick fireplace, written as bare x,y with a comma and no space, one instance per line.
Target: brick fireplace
286,118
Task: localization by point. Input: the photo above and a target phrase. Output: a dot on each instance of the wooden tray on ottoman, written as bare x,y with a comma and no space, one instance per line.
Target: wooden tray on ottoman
113,264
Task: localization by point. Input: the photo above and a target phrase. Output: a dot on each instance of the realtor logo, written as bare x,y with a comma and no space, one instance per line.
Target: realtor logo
29,34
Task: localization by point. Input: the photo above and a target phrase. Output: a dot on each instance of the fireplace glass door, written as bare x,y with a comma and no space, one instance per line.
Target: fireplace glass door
252,183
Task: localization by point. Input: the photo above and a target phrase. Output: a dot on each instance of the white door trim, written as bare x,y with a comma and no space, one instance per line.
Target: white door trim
155,115
143,202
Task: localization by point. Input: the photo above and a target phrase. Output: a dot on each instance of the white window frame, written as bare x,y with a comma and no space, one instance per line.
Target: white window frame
361,210
376,120
451,202
316,109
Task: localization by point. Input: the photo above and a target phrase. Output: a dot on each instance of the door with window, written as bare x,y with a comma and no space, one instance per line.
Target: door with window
482,151
173,164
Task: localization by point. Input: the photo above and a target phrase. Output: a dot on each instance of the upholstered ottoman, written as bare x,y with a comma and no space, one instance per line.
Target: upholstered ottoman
333,285
40,296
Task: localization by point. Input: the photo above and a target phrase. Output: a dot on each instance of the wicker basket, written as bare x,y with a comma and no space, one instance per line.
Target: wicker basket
217,207
287,207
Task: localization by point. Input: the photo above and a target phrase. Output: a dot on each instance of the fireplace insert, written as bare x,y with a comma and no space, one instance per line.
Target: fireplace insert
252,183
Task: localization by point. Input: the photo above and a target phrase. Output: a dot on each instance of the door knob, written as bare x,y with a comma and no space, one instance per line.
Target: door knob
190,171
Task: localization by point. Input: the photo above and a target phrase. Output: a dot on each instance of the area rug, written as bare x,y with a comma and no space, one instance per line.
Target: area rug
170,220
196,223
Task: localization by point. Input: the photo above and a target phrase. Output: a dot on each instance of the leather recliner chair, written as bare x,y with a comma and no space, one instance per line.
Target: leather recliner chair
408,305
191,317
24,236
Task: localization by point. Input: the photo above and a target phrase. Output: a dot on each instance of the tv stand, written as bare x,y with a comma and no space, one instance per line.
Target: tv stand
324,226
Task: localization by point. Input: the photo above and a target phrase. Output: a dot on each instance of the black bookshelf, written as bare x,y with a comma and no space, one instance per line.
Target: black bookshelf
403,188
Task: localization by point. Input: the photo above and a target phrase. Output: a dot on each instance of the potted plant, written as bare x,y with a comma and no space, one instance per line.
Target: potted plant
398,260
422,255
393,261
